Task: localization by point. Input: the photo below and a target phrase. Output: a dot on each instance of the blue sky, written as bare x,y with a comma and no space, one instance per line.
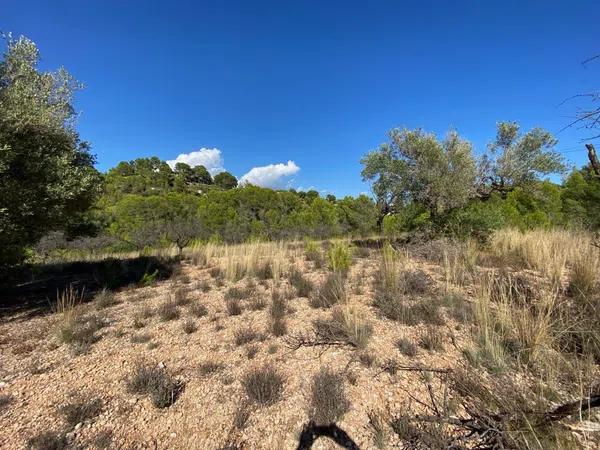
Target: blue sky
318,83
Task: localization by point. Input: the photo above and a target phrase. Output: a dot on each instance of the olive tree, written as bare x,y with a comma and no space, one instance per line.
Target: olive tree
47,175
514,159
416,167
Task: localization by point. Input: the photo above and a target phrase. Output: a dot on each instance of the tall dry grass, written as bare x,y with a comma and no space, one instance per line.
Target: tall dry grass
549,252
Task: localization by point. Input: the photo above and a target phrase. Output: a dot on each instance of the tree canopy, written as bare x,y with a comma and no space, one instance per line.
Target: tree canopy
47,177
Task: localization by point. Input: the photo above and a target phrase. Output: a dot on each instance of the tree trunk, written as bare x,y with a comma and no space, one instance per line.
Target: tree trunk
593,159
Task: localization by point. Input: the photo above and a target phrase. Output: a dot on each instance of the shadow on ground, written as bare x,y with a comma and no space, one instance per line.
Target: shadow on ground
30,290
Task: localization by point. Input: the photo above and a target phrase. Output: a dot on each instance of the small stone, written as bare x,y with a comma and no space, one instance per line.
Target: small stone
161,365
78,426
173,435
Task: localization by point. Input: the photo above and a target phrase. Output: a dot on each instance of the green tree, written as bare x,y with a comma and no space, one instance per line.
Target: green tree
225,180
516,159
414,166
47,175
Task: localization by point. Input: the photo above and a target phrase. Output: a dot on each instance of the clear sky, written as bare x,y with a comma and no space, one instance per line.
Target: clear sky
318,83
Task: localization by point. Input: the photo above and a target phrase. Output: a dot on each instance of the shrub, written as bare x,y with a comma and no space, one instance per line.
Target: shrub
278,306
180,297
5,399
313,253
209,367
406,347
263,385
278,327
431,339
80,410
234,308
168,311
340,258
141,338
331,292
80,332
189,326
236,293
244,335
328,402
204,286
303,286
145,312
415,282
138,322
251,351
154,381
393,306
257,304
264,271
104,299
346,324
48,440
198,310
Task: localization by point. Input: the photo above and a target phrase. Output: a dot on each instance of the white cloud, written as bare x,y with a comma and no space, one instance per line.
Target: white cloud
270,176
208,157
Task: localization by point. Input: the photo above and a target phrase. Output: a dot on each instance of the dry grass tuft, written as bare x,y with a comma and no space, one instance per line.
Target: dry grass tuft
155,382
168,311
328,402
303,286
104,299
331,292
80,409
245,335
263,385
346,324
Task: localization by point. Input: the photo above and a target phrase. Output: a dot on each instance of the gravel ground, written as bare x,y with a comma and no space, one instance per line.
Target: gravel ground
40,375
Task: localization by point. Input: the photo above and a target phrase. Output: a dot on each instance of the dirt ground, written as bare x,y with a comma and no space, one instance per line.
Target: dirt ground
40,374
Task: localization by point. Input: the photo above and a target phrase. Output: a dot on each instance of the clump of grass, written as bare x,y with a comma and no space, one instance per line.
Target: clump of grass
234,307
168,311
257,304
80,409
278,306
189,326
431,339
138,322
406,347
272,349
180,297
460,309
339,258
237,293
264,271
198,310
251,351
204,286
242,414
145,312
328,402
245,335
377,422
80,332
5,400
155,382
415,282
347,324
263,385
103,440
362,252
104,299
141,338
48,440
366,358
278,327
216,273
313,253
209,367
331,292
584,276
303,286
152,345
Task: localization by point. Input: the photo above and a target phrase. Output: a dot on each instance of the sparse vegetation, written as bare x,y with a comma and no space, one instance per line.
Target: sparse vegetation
328,402
406,347
155,382
263,385
104,299
168,311
346,324
245,335
48,440
304,287
331,292
198,310
189,326
79,410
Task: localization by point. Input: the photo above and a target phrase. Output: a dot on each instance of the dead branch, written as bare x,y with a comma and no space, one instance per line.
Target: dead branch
593,159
